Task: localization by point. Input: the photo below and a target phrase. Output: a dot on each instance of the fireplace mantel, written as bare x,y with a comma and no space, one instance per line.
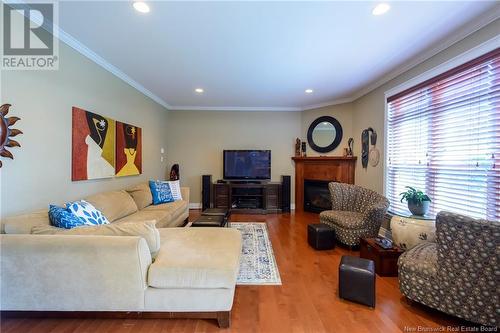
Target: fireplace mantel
328,168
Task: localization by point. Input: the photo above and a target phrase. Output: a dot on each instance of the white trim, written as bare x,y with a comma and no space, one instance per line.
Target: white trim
461,34
194,205
462,58
329,103
234,108
85,51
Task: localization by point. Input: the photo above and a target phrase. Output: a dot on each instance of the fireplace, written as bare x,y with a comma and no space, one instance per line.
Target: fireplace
316,196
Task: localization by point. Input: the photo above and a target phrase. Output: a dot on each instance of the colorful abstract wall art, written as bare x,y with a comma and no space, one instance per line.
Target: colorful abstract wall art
128,150
93,146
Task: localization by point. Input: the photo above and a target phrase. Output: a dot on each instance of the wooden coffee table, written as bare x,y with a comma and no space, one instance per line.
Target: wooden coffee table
386,261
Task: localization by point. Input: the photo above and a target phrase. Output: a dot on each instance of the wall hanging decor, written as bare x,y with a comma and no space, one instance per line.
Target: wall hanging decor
6,132
369,155
93,146
324,134
128,150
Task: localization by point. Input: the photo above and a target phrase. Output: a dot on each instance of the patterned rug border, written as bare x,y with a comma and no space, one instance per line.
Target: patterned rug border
272,257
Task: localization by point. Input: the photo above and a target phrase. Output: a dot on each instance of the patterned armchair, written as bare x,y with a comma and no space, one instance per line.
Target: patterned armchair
356,212
459,274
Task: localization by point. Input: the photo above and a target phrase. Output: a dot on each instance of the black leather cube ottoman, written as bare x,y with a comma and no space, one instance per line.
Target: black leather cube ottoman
320,236
357,280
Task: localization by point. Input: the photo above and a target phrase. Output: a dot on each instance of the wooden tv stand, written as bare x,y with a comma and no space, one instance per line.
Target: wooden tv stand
248,198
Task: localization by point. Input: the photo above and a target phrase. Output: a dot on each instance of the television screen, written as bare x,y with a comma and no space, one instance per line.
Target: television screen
247,164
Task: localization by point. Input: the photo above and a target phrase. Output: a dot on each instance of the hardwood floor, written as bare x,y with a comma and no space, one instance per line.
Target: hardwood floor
307,300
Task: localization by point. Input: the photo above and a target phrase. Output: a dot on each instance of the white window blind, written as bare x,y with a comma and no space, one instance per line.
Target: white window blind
443,137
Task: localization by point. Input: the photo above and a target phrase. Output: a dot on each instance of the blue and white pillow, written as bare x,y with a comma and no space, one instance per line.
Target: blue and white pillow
175,188
87,213
161,192
63,218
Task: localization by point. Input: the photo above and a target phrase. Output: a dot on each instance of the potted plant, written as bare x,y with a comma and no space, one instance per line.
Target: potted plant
418,201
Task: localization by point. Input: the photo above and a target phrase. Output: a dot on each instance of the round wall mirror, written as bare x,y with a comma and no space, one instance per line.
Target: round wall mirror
324,134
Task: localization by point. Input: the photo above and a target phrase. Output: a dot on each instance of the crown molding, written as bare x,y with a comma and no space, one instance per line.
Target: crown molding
329,103
87,52
455,37
235,108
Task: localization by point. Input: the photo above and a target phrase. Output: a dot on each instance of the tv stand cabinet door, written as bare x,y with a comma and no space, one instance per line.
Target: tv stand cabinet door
221,196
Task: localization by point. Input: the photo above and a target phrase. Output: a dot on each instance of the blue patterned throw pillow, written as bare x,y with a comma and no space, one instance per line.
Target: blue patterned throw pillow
87,213
161,192
62,218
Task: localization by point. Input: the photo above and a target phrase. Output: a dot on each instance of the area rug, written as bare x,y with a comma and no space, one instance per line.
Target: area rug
257,263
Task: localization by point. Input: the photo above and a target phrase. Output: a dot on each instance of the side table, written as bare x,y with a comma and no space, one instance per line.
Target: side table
386,260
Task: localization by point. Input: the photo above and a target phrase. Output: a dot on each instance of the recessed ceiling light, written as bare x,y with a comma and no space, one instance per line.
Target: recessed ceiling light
199,90
309,91
141,7
381,9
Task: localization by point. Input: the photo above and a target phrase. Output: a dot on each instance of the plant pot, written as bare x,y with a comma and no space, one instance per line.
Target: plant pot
419,208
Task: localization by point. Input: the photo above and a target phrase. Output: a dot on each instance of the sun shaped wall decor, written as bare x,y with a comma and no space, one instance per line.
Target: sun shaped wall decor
6,132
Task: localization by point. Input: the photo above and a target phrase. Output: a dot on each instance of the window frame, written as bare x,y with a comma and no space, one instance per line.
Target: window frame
436,71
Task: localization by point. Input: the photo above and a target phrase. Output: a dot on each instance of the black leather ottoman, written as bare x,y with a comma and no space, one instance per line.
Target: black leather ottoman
209,221
320,236
357,280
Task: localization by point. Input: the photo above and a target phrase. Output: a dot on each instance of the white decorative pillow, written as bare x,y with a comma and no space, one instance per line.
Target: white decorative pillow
175,189
86,213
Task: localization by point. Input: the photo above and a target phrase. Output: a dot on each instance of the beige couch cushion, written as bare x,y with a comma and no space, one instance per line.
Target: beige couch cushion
175,209
146,230
141,193
22,224
114,205
158,216
196,258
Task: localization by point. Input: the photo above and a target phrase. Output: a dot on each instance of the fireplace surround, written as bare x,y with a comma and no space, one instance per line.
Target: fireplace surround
322,168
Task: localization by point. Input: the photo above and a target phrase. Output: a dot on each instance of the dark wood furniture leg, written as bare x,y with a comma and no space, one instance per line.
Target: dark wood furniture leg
224,319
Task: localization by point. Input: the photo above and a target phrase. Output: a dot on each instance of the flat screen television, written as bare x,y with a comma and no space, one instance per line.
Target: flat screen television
247,164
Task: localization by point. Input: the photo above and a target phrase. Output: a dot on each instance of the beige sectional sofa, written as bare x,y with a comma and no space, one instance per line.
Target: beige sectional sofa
195,269
129,205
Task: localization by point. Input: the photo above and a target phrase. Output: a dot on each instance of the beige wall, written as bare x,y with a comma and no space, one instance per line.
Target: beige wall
369,110
342,112
196,140
41,171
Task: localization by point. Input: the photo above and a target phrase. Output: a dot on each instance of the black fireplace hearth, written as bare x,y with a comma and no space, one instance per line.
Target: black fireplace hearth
316,196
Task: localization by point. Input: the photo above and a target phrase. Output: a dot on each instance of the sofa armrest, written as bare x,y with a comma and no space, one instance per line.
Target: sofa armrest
73,273
185,194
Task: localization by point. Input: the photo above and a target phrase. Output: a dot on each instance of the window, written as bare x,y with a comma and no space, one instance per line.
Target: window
443,137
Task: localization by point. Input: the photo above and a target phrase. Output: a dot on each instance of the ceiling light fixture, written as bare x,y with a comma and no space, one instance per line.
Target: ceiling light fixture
141,6
309,91
381,9
199,90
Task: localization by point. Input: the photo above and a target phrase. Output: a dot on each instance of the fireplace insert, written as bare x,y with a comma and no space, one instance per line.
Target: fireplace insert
316,196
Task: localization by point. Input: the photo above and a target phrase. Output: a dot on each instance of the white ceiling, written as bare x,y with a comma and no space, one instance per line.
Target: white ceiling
263,54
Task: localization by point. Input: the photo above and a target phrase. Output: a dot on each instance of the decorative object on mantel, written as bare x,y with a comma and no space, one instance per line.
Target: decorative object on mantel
6,132
410,230
324,134
297,147
174,172
418,201
350,144
369,155
304,148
